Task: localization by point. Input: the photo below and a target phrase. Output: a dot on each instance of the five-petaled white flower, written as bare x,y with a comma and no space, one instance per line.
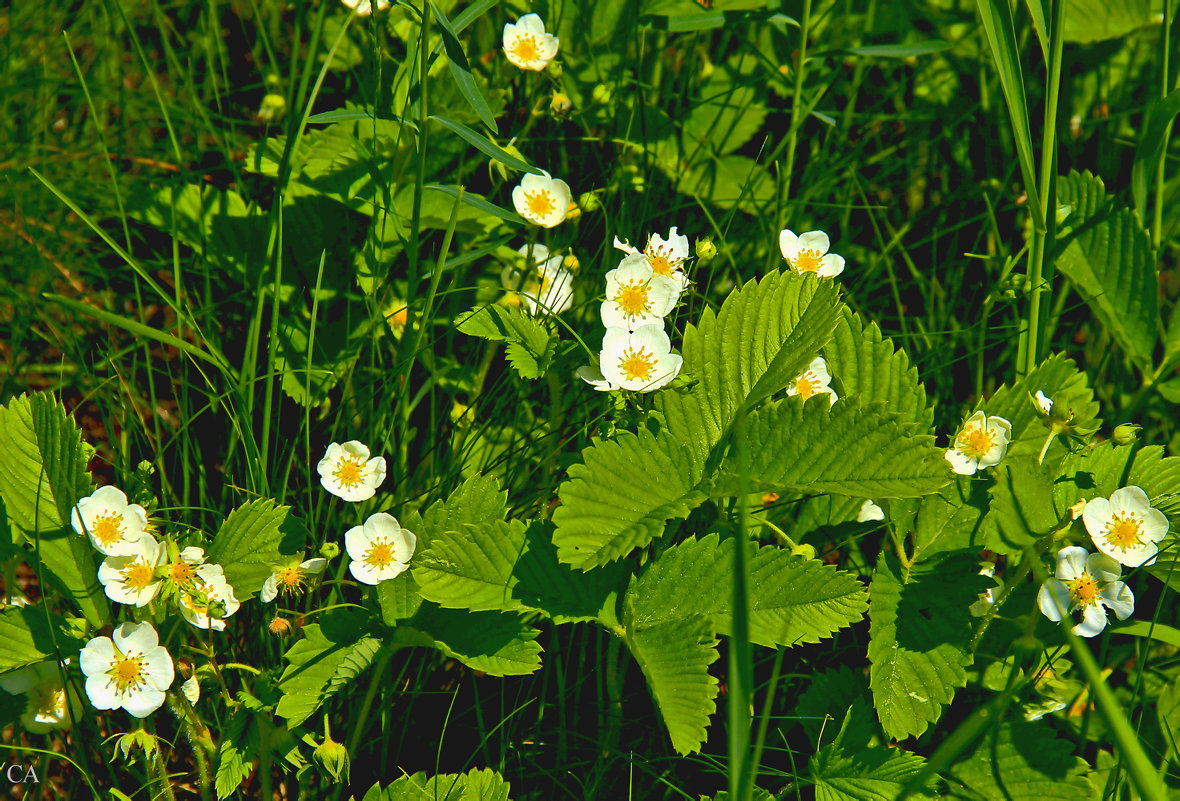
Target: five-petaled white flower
541,199
666,256
364,8
1126,527
980,444
45,697
290,579
347,472
640,360
1087,582
130,671
813,381
527,45
209,600
869,511
181,572
547,287
808,253
636,296
380,549
132,578
113,525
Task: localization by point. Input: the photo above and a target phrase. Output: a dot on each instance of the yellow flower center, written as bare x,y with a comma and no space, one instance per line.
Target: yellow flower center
139,575
380,554
397,319
975,442
349,471
1084,590
807,385
107,528
638,364
661,261
47,703
128,672
525,48
291,580
181,572
809,261
1123,531
633,298
540,203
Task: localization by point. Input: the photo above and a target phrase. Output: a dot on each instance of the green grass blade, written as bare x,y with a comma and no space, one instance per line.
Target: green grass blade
461,70
480,143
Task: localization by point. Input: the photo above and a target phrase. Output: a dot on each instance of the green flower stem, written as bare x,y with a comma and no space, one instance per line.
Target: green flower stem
1157,211
796,102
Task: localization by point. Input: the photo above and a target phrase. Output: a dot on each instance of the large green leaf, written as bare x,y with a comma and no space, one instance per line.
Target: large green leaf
865,365
1061,381
31,634
848,449
841,772
919,638
256,537
1019,760
498,644
1021,510
235,761
793,599
531,346
1107,254
330,656
477,785
42,475
675,658
1098,20
727,116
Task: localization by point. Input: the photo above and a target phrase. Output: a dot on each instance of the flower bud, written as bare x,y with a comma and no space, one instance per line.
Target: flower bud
1126,434
706,250
273,109
553,69
329,550
560,106
139,738
804,550
573,213
601,94
332,757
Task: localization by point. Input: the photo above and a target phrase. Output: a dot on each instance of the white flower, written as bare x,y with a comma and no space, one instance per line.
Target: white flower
869,511
542,200
527,45
132,671
636,296
666,256
813,381
594,377
131,578
45,702
1085,582
988,597
1045,404
364,8
808,253
113,525
1126,528
347,472
209,600
182,571
380,549
549,287
640,360
980,444
290,579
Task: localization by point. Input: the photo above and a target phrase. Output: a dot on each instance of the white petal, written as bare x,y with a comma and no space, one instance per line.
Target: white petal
814,240
960,463
1119,598
1045,403
137,637
1053,599
270,588
869,511
830,266
101,691
1129,500
191,689
97,656
144,702
667,369
1093,621
788,244
1096,515
1072,562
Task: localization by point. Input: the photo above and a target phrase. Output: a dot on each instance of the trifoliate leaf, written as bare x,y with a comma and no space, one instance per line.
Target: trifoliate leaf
498,644
476,785
842,771
330,655
1060,380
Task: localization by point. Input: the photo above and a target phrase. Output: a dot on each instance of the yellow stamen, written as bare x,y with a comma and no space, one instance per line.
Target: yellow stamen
380,554
291,580
128,672
975,442
139,575
525,48
807,385
350,471
181,572
1123,531
540,203
638,364
1084,590
107,528
633,298
809,261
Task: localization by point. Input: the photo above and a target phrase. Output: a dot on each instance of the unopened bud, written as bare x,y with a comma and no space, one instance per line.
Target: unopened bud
553,69
572,264
329,550
273,109
560,105
706,250
332,757
601,94
573,213
589,202
1126,434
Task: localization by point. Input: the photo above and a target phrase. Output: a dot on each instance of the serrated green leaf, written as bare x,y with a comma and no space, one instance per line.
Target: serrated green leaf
498,644
42,475
330,655
476,785
531,345
1021,509
793,600
1107,254
28,635
919,638
840,694
841,772
1017,761
256,537
675,659
948,521
1059,378
398,598
866,366
848,449
235,760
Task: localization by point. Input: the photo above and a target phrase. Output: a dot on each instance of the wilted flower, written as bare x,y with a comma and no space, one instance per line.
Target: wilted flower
869,511
636,296
813,381
191,689
113,525
666,256
347,472
548,287
209,600
526,44
541,199
1126,527
380,549
980,444
128,670
364,8
131,578
808,253
290,580
641,360
1086,582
